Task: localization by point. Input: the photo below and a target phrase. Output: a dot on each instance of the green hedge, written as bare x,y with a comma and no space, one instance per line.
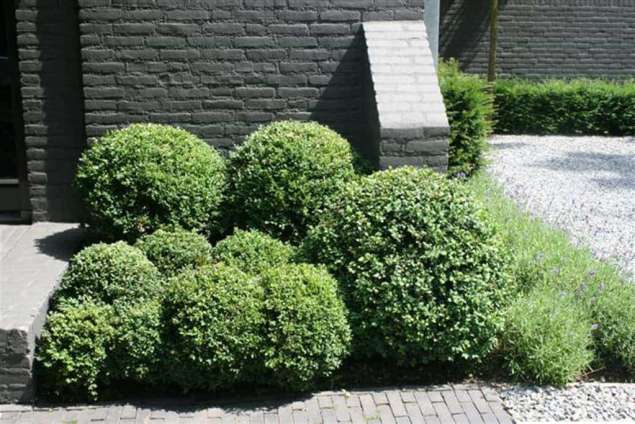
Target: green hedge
470,109
588,107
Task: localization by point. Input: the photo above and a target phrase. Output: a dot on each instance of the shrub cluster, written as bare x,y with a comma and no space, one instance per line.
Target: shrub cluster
135,180
209,327
227,327
422,274
470,108
423,269
591,107
282,175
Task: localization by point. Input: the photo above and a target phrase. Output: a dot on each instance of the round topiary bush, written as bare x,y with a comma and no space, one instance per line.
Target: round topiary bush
547,338
420,270
252,251
214,322
137,348
142,177
280,177
172,251
307,334
107,273
72,353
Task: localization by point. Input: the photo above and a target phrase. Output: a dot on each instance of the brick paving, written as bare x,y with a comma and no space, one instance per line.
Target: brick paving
466,403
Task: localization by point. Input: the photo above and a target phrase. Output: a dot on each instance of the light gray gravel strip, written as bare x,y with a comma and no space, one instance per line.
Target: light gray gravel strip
590,402
584,185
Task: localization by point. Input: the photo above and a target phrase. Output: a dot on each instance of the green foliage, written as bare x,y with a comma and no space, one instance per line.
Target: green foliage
591,107
547,338
252,251
73,350
613,310
137,348
307,334
470,108
172,251
214,320
544,257
281,176
108,273
145,176
421,271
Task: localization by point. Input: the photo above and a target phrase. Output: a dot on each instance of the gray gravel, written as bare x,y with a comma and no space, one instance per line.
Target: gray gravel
590,402
584,185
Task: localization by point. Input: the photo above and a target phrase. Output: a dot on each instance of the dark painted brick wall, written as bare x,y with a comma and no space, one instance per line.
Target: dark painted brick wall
48,49
544,37
222,67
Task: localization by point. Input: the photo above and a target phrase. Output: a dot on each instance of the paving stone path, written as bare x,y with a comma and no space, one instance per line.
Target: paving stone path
32,258
466,403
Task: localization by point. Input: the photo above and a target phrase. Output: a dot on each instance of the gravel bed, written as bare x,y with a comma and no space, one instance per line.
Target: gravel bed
584,185
590,402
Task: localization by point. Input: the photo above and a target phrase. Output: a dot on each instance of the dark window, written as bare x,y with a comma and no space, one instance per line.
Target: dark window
8,160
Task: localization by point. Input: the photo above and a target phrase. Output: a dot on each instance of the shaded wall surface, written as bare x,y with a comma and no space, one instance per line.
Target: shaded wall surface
220,68
539,38
50,78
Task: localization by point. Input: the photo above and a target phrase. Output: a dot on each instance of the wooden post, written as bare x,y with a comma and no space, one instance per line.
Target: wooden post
493,34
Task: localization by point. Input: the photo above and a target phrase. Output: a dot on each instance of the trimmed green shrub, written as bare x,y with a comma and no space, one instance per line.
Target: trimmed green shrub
72,352
547,338
252,251
421,271
307,334
137,348
280,177
172,251
591,107
470,108
214,322
145,176
107,273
